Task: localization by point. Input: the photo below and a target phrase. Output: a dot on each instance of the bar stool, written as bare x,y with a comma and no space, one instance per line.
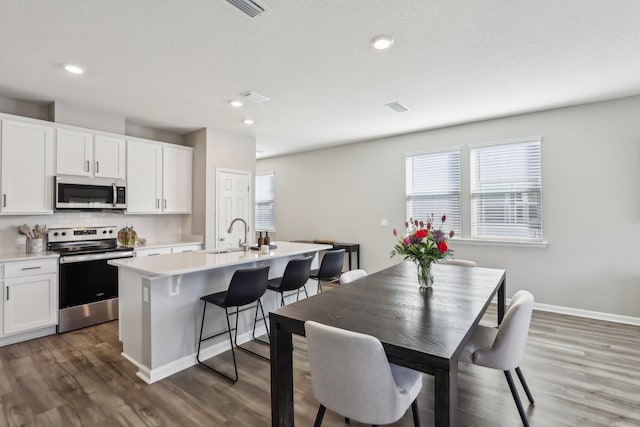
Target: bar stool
246,287
330,268
294,278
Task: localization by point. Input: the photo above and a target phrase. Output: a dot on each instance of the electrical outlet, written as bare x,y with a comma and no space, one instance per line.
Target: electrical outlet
384,223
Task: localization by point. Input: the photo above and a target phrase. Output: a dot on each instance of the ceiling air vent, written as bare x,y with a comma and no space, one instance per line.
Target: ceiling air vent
397,107
254,97
248,7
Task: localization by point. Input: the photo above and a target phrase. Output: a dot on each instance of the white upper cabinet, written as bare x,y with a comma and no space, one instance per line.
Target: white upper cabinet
158,177
109,156
74,152
86,154
27,168
176,179
144,177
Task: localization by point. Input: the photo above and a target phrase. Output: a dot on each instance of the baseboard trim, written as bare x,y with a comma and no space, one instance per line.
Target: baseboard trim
598,315
152,375
25,336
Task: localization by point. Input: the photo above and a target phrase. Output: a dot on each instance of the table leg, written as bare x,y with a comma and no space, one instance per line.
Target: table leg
281,376
446,391
349,254
501,300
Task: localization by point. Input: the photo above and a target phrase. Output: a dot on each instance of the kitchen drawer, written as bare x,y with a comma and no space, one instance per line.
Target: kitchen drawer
152,251
30,268
186,248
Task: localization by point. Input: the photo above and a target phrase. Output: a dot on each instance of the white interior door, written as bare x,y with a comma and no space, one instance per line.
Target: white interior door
233,192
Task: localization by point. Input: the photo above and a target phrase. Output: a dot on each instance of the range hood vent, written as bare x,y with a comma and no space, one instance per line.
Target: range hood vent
248,7
397,107
254,97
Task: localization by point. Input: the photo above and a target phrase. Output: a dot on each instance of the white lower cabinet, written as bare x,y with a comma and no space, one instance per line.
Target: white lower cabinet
152,251
168,250
30,297
186,248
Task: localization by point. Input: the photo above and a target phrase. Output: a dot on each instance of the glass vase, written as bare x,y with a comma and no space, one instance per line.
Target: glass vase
425,278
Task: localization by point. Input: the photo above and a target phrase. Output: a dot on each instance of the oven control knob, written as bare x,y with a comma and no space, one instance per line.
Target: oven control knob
104,231
110,231
55,234
64,233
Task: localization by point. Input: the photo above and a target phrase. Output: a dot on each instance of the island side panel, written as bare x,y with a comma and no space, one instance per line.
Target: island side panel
130,314
176,313
161,315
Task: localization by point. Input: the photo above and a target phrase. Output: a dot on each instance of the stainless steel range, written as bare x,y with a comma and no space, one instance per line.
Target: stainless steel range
88,285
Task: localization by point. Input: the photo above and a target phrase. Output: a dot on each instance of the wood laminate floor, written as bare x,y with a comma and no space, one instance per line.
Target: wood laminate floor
582,373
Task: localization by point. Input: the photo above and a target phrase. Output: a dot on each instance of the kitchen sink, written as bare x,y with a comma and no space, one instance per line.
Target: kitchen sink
223,250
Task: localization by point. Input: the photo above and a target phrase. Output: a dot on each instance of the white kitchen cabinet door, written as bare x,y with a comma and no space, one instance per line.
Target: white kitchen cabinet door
152,252
109,157
27,168
144,177
186,248
30,303
74,152
176,179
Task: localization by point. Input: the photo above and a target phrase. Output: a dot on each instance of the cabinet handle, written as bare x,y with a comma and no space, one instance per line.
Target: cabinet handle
153,254
165,203
157,203
87,162
31,268
7,293
4,200
97,167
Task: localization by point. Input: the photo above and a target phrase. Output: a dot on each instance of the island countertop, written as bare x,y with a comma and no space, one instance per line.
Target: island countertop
189,262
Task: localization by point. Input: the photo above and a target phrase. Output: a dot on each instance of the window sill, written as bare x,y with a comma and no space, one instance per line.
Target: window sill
511,243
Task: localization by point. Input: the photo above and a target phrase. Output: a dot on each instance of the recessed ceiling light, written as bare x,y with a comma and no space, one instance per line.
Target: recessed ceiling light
236,104
74,69
247,121
382,42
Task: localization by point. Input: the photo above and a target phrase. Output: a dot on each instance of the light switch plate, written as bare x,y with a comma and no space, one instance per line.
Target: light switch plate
384,223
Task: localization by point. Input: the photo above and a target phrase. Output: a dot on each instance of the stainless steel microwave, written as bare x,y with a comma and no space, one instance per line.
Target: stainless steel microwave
81,193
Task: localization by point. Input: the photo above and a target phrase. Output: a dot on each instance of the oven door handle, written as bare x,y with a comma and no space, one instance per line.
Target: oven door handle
69,259
115,194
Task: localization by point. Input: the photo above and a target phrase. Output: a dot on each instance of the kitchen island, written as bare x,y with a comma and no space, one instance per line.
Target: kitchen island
160,308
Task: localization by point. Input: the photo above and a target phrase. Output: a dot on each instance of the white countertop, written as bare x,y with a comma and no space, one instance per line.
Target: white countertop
189,262
16,254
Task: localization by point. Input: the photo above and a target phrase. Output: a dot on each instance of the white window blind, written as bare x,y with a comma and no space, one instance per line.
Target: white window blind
265,202
506,191
433,187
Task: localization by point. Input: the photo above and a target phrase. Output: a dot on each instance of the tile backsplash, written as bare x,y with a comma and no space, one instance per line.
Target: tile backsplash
151,227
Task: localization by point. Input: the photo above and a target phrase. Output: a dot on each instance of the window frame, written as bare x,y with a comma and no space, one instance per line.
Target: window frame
518,240
452,150
267,201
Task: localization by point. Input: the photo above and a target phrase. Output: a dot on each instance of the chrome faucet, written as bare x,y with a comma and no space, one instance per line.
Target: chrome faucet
244,245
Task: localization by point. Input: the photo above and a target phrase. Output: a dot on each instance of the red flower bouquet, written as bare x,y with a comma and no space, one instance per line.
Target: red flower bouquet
423,244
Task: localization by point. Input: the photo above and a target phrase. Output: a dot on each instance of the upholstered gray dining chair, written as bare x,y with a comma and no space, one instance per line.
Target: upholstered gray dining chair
351,275
460,262
504,347
350,374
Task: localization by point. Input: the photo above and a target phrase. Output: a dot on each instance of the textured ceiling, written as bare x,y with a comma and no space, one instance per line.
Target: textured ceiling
174,64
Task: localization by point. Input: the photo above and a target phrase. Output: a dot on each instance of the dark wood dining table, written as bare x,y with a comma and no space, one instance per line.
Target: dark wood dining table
422,329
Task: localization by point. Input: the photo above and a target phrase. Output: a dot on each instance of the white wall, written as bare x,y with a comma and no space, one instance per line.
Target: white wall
78,115
32,110
215,149
591,201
